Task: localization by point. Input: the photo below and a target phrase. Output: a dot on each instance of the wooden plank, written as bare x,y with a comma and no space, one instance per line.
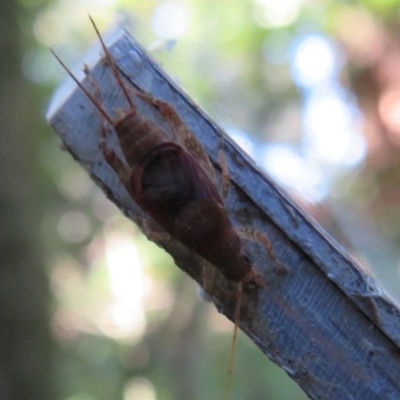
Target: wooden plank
326,322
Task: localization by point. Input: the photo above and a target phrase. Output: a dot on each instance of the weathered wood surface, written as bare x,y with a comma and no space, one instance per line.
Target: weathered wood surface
326,322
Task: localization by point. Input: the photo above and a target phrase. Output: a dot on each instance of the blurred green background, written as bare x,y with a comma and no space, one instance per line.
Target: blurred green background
89,309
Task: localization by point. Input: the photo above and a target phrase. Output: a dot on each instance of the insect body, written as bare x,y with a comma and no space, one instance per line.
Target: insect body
173,182
171,187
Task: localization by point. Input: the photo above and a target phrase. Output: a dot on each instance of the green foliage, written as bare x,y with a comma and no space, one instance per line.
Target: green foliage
382,6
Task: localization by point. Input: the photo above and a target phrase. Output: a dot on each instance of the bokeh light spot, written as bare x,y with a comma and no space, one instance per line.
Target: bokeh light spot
170,20
74,226
139,388
276,13
313,61
331,135
127,286
389,110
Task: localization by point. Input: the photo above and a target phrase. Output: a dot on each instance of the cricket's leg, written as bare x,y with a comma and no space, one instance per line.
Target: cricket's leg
225,178
250,233
110,156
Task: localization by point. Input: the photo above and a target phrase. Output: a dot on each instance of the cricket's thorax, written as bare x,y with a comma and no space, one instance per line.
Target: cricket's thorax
138,136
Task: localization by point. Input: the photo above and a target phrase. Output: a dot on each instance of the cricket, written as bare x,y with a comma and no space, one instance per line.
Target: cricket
174,182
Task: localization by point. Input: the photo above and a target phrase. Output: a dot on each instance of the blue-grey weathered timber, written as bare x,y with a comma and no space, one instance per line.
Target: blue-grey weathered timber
326,322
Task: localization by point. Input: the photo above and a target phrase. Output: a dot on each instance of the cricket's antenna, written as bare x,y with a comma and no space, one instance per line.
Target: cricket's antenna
236,320
99,107
114,69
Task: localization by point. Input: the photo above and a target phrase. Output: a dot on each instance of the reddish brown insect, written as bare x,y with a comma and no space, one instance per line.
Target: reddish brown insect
174,183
